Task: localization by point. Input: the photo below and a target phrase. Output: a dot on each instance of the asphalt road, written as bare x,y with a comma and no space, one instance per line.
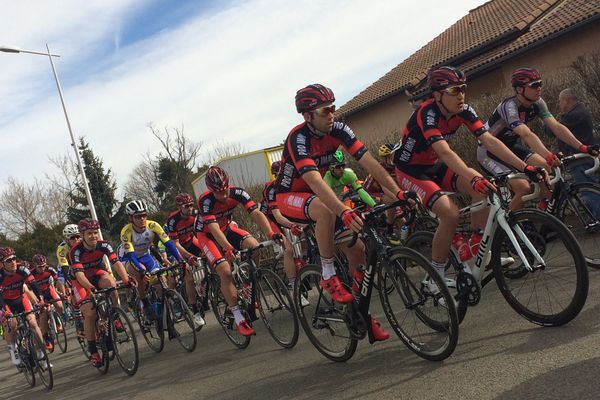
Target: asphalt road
499,356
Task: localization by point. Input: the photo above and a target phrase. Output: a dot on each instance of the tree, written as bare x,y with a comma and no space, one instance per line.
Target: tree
222,149
102,187
20,207
142,183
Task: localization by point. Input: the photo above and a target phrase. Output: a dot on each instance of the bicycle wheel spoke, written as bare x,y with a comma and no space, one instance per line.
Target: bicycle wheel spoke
124,342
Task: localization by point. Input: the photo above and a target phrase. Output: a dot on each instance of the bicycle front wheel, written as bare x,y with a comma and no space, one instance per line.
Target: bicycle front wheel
578,210
58,330
322,319
276,308
42,363
554,292
427,323
179,320
150,325
27,366
224,316
124,342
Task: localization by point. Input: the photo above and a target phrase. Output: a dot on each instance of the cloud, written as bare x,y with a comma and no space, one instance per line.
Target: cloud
227,74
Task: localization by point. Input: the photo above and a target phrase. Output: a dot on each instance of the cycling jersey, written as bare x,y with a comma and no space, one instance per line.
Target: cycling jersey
62,252
212,210
140,242
304,151
180,227
90,262
428,125
268,203
12,285
350,180
509,114
45,278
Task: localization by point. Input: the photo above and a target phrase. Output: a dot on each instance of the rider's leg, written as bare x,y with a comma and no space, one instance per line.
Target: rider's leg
324,230
520,188
447,213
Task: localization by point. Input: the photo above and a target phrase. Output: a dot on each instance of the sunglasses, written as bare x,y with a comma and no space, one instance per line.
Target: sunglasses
75,237
455,90
10,259
535,85
188,205
324,111
140,216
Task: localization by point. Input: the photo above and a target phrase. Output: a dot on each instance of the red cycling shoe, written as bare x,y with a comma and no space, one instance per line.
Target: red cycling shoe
245,329
119,326
379,334
336,289
96,360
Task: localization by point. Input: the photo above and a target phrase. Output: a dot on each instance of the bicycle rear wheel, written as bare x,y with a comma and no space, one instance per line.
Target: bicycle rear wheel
179,320
124,342
43,367
150,325
427,324
576,210
224,316
276,308
55,321
556,290
322,319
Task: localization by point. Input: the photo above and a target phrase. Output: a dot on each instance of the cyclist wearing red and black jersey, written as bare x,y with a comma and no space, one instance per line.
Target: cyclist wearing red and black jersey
303,195
45,277
180,227
219,239
13,299
509,124
423,159
86,258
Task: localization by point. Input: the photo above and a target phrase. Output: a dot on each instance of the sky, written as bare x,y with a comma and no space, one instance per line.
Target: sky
225,71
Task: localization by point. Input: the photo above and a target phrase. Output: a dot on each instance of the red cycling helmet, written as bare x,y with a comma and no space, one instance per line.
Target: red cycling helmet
275,167
216,179
312,97
183,198
523,76
39,260
88,224
444,77
6,252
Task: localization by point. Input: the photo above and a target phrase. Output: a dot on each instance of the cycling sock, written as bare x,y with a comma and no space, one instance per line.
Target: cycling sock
92,347
328,268
237,314
440,268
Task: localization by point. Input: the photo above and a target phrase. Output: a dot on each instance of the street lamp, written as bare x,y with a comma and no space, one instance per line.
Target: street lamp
11,49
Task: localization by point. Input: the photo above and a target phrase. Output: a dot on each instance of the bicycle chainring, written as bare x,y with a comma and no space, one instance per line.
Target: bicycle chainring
468,288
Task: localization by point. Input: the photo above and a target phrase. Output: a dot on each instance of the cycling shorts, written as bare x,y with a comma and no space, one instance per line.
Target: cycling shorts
80,294
294,206
213,251
19,305
191,248
493,166
428,181
50,293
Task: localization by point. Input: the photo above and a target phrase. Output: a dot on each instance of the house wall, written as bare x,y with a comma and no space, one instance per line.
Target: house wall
389,116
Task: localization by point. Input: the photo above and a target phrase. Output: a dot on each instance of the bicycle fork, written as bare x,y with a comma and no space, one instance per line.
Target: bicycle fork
509,232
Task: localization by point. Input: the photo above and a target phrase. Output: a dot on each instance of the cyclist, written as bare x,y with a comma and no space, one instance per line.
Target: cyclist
13,299
509,124
424,158
339,178
303,196
386,153
268,206
71,236
86,259
137,237
180,227
219,239
45,277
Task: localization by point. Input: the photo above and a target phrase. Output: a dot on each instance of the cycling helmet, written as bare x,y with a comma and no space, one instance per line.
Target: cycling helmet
88,224
6,252
136,207
39,260
275,167
216,179
386,149
338,158
183,198
70,230
444,77
523,76
312,97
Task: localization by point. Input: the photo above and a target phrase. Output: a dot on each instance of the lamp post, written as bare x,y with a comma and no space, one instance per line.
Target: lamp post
10,49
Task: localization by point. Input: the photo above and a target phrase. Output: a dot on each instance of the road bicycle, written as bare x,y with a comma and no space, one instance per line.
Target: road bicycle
426,322
258,289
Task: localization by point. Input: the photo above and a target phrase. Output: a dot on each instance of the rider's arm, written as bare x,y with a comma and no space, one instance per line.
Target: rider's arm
164,238
372,166
499,149
449,157
562,132
281,219
215,231
129,250
353,182
531,140
82,279
324,193
262,221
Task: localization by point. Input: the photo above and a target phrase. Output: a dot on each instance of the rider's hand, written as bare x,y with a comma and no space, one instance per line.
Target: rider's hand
230,254
410,196
276,237
296,229
351,220
192,260
592,149
481,185
534,173
552,160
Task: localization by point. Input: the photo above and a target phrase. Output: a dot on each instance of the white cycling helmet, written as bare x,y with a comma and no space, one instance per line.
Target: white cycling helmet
70,230
136,207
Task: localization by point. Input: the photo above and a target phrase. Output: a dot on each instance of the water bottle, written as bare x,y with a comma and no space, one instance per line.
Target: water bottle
461,246
474,242
403,232
157,308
